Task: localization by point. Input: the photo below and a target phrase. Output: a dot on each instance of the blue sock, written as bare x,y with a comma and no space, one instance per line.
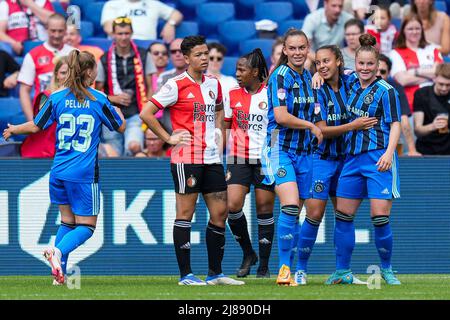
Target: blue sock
294,248
306,242
383,239
285,230
63,229
75,238
344,240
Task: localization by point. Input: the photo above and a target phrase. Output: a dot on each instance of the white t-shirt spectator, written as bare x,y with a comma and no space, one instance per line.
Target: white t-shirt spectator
144,15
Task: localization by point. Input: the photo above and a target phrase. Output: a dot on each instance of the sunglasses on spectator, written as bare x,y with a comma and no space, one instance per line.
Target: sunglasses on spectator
218,59
122,20
382,71
159,53
175,51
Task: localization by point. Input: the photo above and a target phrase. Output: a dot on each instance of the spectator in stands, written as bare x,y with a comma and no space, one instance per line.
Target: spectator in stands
326,25
407,144
277,48
154,146
42,144
38,64
160,55
360,8
436,24
178,63
179,66
414,60
125,75
7,66
431,111
353,29
382,29
73,38
145,15
24,20
217,52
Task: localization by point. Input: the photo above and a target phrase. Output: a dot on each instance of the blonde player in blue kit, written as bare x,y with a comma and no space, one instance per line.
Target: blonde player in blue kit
79,112
371,165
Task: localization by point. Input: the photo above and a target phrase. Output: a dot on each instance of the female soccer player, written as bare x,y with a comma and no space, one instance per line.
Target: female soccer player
370,168
79,112
331,116
246,116
291,105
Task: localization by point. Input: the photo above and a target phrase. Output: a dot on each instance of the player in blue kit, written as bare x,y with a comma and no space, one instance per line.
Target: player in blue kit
79,112
331,116
287,160
371,166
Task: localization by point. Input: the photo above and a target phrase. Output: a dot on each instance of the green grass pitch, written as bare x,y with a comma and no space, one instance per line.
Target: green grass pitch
423,287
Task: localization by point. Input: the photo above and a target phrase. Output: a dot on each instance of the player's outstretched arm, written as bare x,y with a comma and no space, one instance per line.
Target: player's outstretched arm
24,128
363,123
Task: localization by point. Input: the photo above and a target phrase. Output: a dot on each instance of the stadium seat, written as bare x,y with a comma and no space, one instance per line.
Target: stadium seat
264,44
186,28
232,32
102,43
83,4
301,9
59,8
143,43
187,7
11,112
275,11
209,15
440,6
397,22
285,25
94,16
28,45
245,9
6,47
229,66
10,148
86,29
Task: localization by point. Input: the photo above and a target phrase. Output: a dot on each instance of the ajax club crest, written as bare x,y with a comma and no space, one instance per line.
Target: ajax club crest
318,186
281,172
368,99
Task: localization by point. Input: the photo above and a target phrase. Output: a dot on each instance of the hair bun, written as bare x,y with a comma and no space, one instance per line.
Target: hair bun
367,40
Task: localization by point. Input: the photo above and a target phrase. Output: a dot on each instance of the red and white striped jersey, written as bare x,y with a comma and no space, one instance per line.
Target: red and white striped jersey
192,108
248,116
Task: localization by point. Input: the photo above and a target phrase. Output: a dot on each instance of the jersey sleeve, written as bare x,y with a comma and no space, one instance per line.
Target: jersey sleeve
349,77
109,116
4,11
164,11
398,64
279,86
219,99
227,107
109,12
46,115
391,106
320,106
27,71
166,96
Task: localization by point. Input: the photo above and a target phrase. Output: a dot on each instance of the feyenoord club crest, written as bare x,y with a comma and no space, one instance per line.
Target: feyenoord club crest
192,181
368,99
318,186
262,105
281,172
281,94
211,94
228,175
43,60
316,108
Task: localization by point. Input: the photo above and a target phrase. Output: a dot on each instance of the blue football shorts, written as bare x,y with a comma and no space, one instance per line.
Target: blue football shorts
325,176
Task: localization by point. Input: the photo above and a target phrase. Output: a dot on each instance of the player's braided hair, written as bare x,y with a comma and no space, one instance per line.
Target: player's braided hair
256,60
337,53
78,79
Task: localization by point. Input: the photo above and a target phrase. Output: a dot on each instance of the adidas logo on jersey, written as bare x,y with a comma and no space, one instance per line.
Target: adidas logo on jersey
295,86
385,191
264,241
330,103
238,105
186,246
190,95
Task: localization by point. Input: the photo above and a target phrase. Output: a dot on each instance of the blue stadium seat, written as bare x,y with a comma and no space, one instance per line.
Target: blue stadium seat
144,43
28,45
264,44
187,7
229,66
6,47
59,8
285,25
209,15
102,43
440,6
186,28
397,22
233,32
245,9
86,29
11,112
275,11
94,16
301,9
83,4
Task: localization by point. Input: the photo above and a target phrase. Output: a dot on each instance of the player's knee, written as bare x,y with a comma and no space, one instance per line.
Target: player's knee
134,147
234,205
315,214
264,208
